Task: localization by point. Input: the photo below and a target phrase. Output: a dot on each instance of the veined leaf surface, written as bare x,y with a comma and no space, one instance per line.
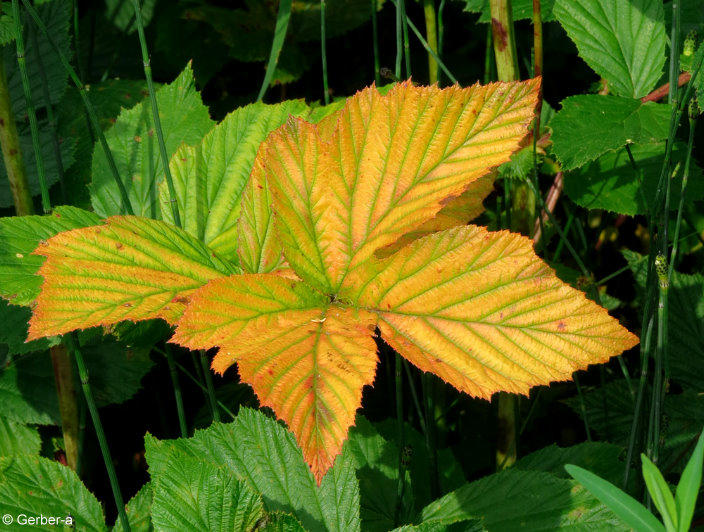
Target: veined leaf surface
484,313
304,359
209,178
131,268
478,309
391,164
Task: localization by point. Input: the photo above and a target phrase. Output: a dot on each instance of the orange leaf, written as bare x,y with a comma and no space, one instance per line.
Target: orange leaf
131,268
481,311
307,361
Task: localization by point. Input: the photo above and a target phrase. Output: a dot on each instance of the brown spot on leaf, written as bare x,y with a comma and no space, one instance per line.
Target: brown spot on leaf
127,305
180,299
561,326
137,138
118,245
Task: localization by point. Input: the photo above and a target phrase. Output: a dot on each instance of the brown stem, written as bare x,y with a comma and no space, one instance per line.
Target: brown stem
661,92
11,153
550,203
68,405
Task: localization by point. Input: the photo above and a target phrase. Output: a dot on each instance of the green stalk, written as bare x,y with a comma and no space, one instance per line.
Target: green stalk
406,44
209,385
177,392
582,408
488,56
375,42
155,113
68,403
127,206
683,191
11,152
31,113
282,18
441,31
323,55
102,441
506,444
399,38
430,433
431,38
430,51
504,40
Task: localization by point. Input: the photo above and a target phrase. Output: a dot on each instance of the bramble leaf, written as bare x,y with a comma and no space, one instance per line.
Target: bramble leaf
307,361
621,40
131,268
480,310
184,118
590,125
209,177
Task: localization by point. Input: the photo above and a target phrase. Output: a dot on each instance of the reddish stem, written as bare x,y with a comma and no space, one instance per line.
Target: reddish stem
550,202
661,92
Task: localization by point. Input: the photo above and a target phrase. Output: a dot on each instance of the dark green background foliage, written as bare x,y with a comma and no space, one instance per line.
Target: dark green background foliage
208,57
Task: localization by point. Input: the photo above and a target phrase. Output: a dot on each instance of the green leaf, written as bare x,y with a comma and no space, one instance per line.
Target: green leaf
612,183
688,487
621,40
28,392
19,236
601,458
13,333
184,118
196,495
121,13
42,60
16,438
209,178
263,453
590,125
660,493
522,9
34,486
138,510
280,522
538,501
629,510
108,99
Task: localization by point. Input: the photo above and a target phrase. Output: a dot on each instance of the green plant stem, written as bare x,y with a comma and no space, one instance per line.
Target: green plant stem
100,433
197,382
582,408
406,43
11,152
375,43
414,396
430,51
431,37
49,113
504,40
146,61
209,385
31,112
177,392
683,193
282,18
441,32
127,206
399,40
398,378
506,441
68,403
430,433
323,55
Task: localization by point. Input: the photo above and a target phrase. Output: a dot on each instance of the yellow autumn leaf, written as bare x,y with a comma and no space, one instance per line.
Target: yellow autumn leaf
481,311
130,268
306,360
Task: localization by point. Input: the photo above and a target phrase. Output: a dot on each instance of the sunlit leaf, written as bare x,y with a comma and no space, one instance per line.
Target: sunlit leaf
481,311
128,269
209,178
306,361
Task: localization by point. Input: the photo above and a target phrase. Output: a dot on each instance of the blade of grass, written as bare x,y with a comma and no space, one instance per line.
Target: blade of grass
31,112
127,206
277,44
688,487
626,508
146,60
207,375
660,493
